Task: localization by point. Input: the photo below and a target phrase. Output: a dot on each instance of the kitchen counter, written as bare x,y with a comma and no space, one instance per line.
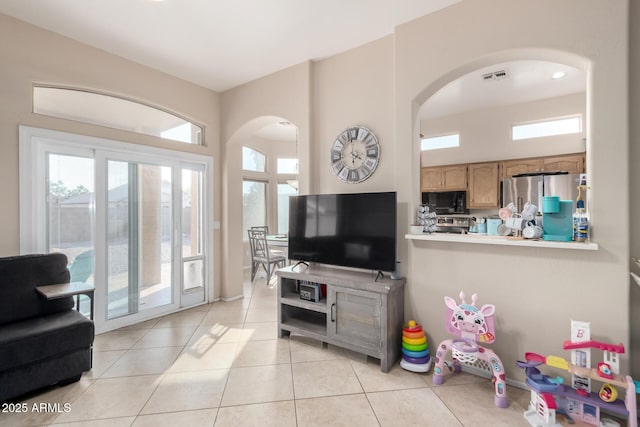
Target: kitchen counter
501,240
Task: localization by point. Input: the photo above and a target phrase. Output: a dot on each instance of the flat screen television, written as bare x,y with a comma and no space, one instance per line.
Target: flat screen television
351,230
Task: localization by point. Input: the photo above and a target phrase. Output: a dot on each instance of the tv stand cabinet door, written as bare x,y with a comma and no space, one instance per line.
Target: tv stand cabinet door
355,319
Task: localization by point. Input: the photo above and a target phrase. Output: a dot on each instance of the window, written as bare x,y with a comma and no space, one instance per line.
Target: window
253,160
111,111
553,127
438,142
285,189
254,205
287,166
69,204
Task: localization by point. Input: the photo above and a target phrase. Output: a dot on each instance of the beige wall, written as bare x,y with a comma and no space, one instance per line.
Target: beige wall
536,291
380,85
30,54
354,88
485,135
245,109
634,182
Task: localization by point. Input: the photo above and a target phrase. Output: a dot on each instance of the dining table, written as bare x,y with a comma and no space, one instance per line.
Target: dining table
278,244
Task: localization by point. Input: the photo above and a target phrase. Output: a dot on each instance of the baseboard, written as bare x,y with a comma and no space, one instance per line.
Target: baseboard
232,298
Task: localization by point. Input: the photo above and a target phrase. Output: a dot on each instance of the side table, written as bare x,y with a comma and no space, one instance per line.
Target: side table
69,289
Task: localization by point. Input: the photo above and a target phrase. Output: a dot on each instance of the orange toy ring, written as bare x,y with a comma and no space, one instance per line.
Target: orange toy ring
413,334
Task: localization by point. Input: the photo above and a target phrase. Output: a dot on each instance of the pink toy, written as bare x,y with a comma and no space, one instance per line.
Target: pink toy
471,325
579,402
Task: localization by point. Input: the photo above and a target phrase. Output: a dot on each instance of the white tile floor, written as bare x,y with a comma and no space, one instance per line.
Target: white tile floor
223,365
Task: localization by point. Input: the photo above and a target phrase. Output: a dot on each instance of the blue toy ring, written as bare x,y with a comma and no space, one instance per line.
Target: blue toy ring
410,353
416,360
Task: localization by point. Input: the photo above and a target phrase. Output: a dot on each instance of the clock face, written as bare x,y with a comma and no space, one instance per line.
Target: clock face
355,154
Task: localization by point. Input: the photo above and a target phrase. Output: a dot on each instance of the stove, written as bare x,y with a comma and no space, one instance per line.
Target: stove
453,223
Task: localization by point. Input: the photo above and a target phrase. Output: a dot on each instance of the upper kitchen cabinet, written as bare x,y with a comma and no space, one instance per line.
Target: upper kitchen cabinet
443,178
484,185
572,163
516,167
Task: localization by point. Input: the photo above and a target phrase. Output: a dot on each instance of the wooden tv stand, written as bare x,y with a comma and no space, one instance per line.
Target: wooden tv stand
357,313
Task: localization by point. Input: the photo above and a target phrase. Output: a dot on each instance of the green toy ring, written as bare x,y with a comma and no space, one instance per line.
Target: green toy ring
410,347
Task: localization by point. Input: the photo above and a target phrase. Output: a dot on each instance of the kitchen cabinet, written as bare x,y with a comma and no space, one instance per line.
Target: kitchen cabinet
515,167
484,185
572,163
443,178
358,312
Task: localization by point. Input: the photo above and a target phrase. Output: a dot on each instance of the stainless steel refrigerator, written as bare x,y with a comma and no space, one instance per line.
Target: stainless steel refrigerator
520,189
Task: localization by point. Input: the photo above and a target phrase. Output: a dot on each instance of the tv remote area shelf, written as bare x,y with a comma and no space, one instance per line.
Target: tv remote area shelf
358,313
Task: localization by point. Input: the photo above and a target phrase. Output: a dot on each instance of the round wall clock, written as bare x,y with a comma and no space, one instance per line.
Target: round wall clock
355,154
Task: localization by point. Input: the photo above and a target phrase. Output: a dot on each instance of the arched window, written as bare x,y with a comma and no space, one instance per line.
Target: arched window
114,112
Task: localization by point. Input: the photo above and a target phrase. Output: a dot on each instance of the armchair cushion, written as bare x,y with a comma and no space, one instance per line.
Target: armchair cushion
41,338
19,277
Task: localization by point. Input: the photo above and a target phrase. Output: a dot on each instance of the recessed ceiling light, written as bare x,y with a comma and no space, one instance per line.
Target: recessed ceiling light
558,75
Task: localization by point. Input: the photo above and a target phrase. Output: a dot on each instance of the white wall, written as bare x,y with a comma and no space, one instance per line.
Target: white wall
485,135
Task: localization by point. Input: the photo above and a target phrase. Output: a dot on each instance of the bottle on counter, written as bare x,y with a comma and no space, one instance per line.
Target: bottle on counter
580,219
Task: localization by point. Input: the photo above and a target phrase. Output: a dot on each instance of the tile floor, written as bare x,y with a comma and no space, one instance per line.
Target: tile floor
223,365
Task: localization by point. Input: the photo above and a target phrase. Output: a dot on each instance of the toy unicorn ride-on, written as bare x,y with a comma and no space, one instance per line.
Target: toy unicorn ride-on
471,325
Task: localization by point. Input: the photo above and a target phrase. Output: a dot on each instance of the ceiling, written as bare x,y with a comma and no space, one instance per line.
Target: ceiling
525,81
220,44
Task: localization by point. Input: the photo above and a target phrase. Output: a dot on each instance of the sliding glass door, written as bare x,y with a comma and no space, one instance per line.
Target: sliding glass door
131,223
192,236
139,236
70,212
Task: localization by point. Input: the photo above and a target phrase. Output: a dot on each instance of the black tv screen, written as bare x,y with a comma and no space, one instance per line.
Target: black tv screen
351,230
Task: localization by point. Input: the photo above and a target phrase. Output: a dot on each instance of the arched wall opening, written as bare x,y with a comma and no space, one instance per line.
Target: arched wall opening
233,250
537,54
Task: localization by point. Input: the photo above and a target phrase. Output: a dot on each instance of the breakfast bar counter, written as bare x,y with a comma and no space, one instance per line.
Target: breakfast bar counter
501,240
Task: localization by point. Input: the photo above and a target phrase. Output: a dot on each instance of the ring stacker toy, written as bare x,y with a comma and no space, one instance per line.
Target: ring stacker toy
471,325
415,349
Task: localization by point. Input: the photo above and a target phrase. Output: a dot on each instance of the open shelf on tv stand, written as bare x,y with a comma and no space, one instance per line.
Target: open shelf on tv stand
358,313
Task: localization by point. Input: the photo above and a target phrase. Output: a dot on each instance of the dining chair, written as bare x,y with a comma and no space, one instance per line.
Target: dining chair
261,227
261,255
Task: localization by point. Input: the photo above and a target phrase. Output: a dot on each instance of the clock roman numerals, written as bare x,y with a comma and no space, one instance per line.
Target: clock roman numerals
344,174
370,164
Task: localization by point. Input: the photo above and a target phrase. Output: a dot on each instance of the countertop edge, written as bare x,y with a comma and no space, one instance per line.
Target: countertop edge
502,241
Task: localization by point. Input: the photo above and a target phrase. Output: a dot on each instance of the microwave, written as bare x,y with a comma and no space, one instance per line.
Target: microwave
446,202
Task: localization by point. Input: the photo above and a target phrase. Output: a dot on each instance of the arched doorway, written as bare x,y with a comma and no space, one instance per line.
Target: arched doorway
271,136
